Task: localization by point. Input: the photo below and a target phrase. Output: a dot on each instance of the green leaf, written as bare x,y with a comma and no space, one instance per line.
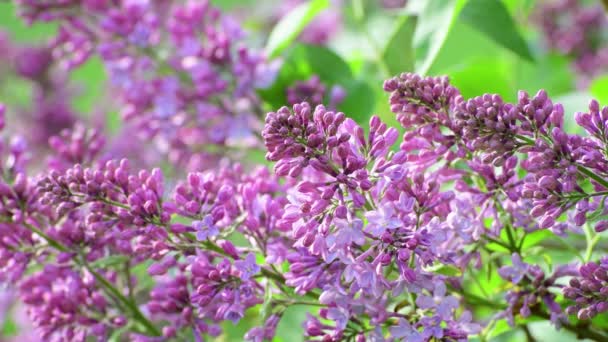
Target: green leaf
301,62
91,78
288,328
534,238
304,61
18,28
113,122
501,327
359,102
493,246
110,261
435,21
290,26
398,54
447,270
9,327
599,90
577,101
492,18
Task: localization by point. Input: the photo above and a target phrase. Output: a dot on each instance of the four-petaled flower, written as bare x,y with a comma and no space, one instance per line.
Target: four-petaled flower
205,228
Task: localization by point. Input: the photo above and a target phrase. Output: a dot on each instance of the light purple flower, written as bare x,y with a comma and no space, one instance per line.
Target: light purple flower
406,331
247,267
205,228
347,232
443,305
516,272
378,221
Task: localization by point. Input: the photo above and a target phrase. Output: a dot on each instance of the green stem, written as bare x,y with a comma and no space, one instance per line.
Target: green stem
52,242
500,243
135,312
529,336
528,141
592,239
300,302
593,176
137,315
512,242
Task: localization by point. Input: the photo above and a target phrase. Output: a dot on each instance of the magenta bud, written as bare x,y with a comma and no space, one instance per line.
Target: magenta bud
228,248
341,212
225,193
601,226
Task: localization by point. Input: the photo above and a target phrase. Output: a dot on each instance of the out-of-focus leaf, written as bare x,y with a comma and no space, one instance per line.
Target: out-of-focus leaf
304,61
483,76
573,102
290,26
235,332
545,331
359,102
434,23
492,18
599,90
464,46
447,270
551,72
301,62
493,246
600,321
398,54
500,327
9,328
144,280
19,30
294,316
91,81
113,122
228,5
534,238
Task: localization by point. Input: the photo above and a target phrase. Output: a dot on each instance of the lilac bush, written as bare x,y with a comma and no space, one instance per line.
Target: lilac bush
426,223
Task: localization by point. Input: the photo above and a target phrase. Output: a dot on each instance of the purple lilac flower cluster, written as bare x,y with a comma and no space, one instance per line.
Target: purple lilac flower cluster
573,28
364,229
180,70
95,214
315,92
533,288
589,291
50,110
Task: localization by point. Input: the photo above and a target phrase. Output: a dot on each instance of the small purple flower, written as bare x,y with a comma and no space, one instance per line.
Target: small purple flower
347,232
443,305
234,313
405,331
205,228
339,315
247,267
516,272
382,219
